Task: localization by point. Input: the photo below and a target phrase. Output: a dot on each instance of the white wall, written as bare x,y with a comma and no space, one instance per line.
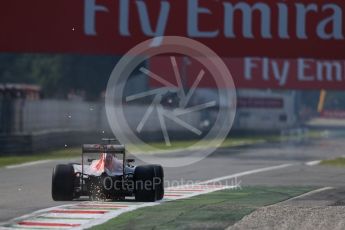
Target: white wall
51,115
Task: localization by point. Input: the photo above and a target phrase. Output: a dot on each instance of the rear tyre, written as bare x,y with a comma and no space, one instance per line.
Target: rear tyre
63,183
159,182
144,178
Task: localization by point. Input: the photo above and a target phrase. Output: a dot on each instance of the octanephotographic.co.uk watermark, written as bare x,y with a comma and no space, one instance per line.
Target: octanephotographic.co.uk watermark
148,185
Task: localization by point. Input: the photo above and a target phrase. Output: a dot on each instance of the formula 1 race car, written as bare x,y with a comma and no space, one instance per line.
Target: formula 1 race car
105,173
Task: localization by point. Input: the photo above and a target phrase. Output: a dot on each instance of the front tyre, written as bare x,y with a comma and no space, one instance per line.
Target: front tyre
63,183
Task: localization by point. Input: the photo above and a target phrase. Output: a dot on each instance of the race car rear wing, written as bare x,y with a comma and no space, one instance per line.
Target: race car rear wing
103,148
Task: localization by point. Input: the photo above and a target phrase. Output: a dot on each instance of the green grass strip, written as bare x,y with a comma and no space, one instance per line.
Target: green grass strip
216,210
66,153
338,162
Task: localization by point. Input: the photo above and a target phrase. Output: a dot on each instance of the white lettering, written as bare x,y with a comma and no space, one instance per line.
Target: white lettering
124,18
249,64
265,69
336,19
302,66
283,75
331,69
283,21
247,22
90,9
193,20
239,13
301,21
145,20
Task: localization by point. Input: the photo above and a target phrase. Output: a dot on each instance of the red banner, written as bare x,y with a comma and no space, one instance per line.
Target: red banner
254,102
233,28
335,114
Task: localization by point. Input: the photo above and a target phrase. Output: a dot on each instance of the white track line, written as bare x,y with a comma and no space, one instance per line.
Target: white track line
28,164
254,171
310,193
112,214
312,163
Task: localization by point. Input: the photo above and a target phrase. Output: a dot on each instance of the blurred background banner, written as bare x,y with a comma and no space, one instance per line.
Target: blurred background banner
280,29
287,59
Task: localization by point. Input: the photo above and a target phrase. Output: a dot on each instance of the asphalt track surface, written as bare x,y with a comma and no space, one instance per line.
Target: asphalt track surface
27,189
